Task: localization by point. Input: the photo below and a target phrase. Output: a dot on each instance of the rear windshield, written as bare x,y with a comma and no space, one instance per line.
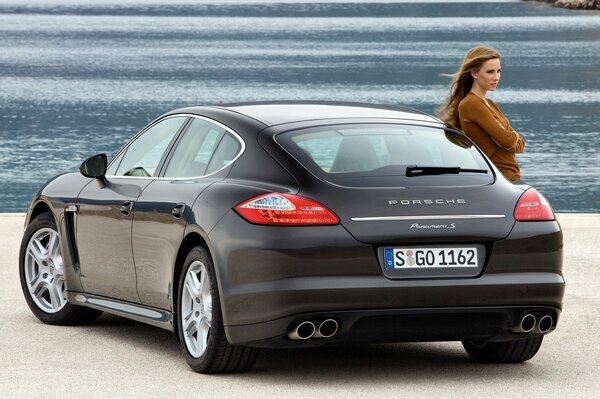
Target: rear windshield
384,155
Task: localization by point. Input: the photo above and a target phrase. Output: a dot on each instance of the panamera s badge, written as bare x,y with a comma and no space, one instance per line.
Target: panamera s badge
433,226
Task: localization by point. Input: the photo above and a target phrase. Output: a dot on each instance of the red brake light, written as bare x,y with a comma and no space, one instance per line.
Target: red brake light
532,206
285,209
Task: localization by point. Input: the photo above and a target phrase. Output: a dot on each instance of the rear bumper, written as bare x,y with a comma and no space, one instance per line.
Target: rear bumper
379,310
271,278
397,325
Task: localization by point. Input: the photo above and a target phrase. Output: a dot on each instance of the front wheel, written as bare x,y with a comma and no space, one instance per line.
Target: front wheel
516,351
42,274
200,321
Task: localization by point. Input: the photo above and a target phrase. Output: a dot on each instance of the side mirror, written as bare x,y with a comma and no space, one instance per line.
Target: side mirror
94,166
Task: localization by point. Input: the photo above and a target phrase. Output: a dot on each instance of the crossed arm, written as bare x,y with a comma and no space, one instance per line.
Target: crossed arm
508,139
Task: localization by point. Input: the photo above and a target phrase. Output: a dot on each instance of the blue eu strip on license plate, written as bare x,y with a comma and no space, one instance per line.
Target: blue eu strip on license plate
389,258
419,258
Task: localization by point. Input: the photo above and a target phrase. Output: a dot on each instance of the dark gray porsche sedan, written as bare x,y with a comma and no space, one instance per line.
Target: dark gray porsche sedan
288,225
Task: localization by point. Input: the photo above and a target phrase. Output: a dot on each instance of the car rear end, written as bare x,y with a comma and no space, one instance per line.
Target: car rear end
398,232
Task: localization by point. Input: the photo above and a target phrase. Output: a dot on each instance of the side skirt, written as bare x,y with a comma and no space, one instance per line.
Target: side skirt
145,314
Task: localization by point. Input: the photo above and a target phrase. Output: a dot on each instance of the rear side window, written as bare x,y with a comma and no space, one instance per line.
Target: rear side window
204,149
379,155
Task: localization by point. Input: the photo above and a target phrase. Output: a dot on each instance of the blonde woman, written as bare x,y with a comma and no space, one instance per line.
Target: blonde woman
467,108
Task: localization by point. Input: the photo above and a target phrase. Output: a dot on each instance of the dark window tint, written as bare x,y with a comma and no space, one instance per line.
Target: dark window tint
378,155
226,151
204,148
143,155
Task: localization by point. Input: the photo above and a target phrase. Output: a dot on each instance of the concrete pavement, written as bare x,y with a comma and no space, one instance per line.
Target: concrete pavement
115,357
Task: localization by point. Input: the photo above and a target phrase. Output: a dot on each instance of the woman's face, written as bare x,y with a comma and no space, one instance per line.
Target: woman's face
488,76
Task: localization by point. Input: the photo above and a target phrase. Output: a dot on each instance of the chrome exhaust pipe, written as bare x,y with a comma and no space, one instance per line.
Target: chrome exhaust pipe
304,330
527,324
544,324
326,329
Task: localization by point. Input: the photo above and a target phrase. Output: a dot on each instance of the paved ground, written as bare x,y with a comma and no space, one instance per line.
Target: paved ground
119,358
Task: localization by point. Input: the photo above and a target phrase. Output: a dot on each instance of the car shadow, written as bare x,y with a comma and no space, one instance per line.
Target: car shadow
410,363
138,335
368,363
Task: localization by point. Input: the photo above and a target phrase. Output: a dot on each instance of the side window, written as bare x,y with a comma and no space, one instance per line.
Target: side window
227,149
204,148
114,164
143,155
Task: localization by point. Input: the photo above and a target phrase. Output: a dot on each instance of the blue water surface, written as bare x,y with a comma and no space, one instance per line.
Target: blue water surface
81,77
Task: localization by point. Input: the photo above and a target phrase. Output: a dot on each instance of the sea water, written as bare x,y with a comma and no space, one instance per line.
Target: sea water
81,77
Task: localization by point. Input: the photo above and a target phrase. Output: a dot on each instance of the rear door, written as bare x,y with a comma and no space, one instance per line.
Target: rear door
200,157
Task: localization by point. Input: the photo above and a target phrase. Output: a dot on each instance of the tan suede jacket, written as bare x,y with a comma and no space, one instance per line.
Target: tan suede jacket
487,126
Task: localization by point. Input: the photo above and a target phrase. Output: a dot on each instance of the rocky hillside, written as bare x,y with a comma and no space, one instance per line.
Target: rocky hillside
579,4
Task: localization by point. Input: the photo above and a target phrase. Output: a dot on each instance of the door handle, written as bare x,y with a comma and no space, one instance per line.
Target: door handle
126,207
178,211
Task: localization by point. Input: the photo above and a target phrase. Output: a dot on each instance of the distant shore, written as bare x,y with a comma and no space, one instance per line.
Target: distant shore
576,4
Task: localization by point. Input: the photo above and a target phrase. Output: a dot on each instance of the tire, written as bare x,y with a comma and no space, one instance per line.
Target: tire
200,321
41,272
516,351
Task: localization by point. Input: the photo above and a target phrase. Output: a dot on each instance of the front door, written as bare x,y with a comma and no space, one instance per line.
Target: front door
104,237
106,211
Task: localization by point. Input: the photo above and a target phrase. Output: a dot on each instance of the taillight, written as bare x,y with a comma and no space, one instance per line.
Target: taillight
533,206
285,209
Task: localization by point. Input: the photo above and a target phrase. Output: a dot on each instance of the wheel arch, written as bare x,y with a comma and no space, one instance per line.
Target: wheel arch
39,208
190,241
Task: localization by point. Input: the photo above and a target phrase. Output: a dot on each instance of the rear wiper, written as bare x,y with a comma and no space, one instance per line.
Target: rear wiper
438,170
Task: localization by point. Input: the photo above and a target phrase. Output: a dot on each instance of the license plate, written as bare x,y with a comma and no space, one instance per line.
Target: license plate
419,258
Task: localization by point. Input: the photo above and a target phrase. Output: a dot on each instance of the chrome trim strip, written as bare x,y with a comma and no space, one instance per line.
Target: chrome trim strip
237,136
145,314
71,208
431,217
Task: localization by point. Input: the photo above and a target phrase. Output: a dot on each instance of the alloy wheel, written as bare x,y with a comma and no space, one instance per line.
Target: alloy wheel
44,271
196,309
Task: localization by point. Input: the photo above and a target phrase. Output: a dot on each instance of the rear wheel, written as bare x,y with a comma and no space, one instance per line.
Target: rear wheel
504,352
42,274
200,322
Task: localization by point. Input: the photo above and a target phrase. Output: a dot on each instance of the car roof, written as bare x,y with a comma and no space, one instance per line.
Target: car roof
276,113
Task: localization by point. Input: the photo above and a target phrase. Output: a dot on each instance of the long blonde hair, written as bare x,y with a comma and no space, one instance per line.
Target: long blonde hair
462,81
